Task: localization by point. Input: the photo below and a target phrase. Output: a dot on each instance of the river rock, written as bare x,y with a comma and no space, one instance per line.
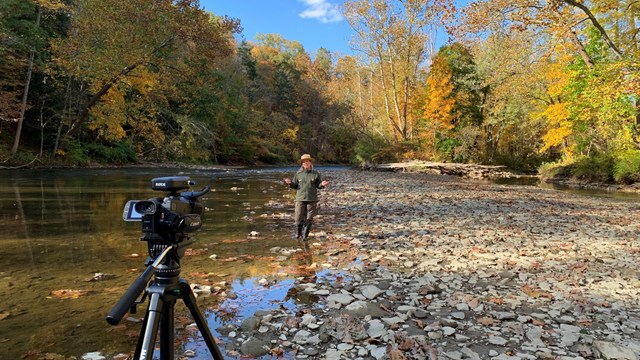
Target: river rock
254,347
610,351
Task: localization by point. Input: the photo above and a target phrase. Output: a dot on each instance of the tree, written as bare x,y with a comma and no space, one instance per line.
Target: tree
394,36
133,54
438,111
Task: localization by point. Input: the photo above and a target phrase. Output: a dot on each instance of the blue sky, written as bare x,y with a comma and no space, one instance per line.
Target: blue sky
313,23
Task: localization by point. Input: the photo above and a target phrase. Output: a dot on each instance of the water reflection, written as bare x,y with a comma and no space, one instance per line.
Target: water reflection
62,227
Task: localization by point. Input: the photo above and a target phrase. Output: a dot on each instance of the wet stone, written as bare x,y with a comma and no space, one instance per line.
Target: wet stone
254,347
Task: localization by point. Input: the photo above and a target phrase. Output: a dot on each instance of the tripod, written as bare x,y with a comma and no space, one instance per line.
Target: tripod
163,293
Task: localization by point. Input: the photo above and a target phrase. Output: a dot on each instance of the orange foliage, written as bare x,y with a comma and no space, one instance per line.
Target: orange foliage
438,110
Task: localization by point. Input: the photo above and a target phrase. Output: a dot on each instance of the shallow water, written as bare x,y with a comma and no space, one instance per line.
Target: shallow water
534,181
60,227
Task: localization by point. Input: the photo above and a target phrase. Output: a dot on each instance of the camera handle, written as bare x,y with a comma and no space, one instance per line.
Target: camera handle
194,195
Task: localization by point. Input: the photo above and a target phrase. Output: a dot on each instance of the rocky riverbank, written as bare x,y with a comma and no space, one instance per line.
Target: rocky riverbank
446,268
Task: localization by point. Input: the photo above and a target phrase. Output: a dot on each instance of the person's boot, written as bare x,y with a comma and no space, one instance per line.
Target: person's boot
299,236
307,228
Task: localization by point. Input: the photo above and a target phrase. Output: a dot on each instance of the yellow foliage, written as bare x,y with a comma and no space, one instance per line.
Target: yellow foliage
109,115
558,77
560,126
291,134
143,81
555,137
51,4
557,114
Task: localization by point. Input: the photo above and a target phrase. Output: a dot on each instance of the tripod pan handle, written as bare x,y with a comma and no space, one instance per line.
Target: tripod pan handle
117,312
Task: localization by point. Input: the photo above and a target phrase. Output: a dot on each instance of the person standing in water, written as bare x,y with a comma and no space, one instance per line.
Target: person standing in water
306,181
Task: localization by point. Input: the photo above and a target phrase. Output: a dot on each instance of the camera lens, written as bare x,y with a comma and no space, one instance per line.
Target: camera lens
145,207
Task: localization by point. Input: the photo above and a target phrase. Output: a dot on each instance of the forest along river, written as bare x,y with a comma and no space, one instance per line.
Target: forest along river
67,256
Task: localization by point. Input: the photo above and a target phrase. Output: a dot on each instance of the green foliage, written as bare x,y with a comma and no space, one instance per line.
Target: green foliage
376,150
550,170
367,149
341,146
627,167
604,168
120,153
75,154
596,168
446,145
268,157
517,162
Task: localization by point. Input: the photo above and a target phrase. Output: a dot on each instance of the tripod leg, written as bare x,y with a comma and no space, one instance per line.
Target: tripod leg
190,301
167,347
147,339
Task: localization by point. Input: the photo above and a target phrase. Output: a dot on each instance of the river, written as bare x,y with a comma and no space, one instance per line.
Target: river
68,256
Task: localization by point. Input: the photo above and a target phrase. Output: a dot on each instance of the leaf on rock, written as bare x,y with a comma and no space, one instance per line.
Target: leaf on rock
536,293
496,300
487,321
278,352
68,294
396,355
194,252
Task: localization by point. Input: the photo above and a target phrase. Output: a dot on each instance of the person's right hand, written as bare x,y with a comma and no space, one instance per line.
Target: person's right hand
287,181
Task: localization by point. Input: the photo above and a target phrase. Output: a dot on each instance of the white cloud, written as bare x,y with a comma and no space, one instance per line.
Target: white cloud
321,10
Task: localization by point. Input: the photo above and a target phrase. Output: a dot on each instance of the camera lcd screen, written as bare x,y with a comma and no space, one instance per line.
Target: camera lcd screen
129,213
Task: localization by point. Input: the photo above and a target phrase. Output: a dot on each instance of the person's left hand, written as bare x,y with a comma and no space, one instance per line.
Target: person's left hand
324,183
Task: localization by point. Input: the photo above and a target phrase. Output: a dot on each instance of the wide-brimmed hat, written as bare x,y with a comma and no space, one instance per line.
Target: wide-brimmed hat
305,157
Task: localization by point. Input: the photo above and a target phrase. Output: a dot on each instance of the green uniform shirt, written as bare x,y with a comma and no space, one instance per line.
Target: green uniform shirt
307,182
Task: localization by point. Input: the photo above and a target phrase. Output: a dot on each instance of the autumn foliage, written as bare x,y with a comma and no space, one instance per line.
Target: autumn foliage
517,83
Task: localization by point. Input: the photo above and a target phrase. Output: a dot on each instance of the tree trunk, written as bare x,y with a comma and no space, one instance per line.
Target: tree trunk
42,125
581,50
66,111
396,103
25,95
394,126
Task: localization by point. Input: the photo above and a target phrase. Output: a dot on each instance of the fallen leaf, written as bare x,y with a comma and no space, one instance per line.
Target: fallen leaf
496,300
396,355
68,294
277,352
536,293
486,321
194,252
537,322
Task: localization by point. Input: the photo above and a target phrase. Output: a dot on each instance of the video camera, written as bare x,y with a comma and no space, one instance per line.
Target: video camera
166,222
166,219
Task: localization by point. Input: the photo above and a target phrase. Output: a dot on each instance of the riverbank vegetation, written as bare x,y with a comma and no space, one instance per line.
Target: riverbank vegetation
533,84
